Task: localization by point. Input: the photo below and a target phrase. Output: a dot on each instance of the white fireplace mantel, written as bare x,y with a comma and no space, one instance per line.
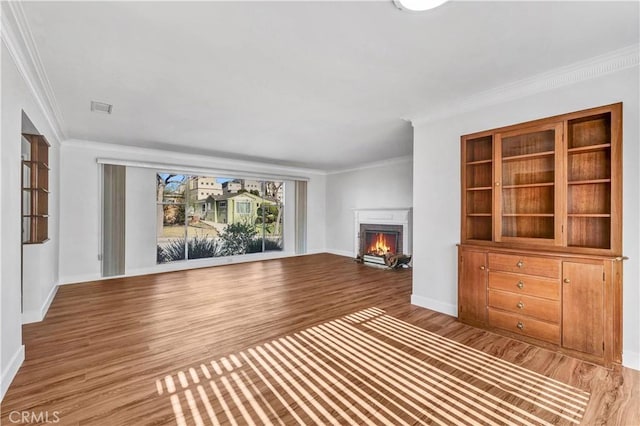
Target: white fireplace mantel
384,216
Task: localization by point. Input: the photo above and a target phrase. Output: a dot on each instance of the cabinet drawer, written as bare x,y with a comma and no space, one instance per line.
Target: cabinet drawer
528,326
525,284
540,266
544,309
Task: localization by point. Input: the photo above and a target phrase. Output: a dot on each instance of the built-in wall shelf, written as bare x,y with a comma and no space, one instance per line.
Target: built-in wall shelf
35,190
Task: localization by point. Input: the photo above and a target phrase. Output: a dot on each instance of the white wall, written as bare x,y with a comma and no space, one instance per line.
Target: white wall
436,195
382,186
80,225
41,260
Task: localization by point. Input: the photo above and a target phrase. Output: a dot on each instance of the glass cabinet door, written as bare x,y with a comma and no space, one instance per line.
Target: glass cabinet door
526,179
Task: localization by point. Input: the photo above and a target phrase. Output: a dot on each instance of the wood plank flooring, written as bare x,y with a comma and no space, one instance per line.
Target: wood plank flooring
313,339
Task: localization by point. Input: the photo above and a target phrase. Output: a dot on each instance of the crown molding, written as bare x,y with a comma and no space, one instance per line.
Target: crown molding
382,163
182,160
617,60
18,38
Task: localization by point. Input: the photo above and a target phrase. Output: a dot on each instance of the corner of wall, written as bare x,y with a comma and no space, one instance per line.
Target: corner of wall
434,305
340,252
32,316
11,370
631,359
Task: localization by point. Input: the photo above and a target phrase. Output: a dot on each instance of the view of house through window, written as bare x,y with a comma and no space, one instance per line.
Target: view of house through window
206,216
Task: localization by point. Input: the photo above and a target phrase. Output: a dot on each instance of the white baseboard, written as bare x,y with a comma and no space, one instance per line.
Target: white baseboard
11,370
340,253
310,252
631,359
80,279
434,305
186,265
29,317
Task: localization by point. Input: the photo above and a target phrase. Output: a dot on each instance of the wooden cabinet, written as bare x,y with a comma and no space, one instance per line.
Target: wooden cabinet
554,183
541,232
35,190
563,301
472,297
583,307
526,178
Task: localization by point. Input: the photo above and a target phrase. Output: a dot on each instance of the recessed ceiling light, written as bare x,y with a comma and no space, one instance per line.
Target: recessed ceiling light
418,5
101,107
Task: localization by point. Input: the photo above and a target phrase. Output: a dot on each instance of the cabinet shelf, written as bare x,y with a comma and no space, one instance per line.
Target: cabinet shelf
36,189
528,185
471,163
480,188
479,214
527,215
528,156
588,148
39,164
36,242
589,215
588,181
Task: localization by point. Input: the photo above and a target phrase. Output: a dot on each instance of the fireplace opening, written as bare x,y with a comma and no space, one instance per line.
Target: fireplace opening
380,243
376,241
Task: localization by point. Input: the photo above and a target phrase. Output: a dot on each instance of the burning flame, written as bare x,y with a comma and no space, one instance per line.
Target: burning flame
380,246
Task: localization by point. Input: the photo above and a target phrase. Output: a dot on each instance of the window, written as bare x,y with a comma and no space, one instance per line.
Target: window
243,207
190,227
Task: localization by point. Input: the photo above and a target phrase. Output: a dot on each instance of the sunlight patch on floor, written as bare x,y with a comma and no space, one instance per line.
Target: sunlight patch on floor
367,368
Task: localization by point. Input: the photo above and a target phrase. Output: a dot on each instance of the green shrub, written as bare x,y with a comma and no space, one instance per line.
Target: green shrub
270,213
236,238
160,255
255,246
271,245
174,250
203,247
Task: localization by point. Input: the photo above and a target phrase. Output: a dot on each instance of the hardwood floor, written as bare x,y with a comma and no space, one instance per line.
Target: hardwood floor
312,339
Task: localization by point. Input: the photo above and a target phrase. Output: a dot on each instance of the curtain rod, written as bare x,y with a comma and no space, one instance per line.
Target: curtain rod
201,171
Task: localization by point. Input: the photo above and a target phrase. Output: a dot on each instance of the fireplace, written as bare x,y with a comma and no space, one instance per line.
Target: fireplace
381,231
377,240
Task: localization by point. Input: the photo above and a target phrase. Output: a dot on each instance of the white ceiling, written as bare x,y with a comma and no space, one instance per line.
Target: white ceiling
313,84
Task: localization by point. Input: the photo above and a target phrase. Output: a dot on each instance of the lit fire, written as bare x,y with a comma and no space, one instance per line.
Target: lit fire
381,244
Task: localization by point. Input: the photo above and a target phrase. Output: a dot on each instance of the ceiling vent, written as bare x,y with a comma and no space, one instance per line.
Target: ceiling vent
101,107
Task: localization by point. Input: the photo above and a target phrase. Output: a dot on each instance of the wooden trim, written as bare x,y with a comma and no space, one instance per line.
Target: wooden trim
546,251
544,121
497,182
616,177
463,185
560,192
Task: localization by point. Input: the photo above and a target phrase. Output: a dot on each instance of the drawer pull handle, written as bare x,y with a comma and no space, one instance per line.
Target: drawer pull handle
520,264
567,280
482,268
520,285
520,325
520,305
